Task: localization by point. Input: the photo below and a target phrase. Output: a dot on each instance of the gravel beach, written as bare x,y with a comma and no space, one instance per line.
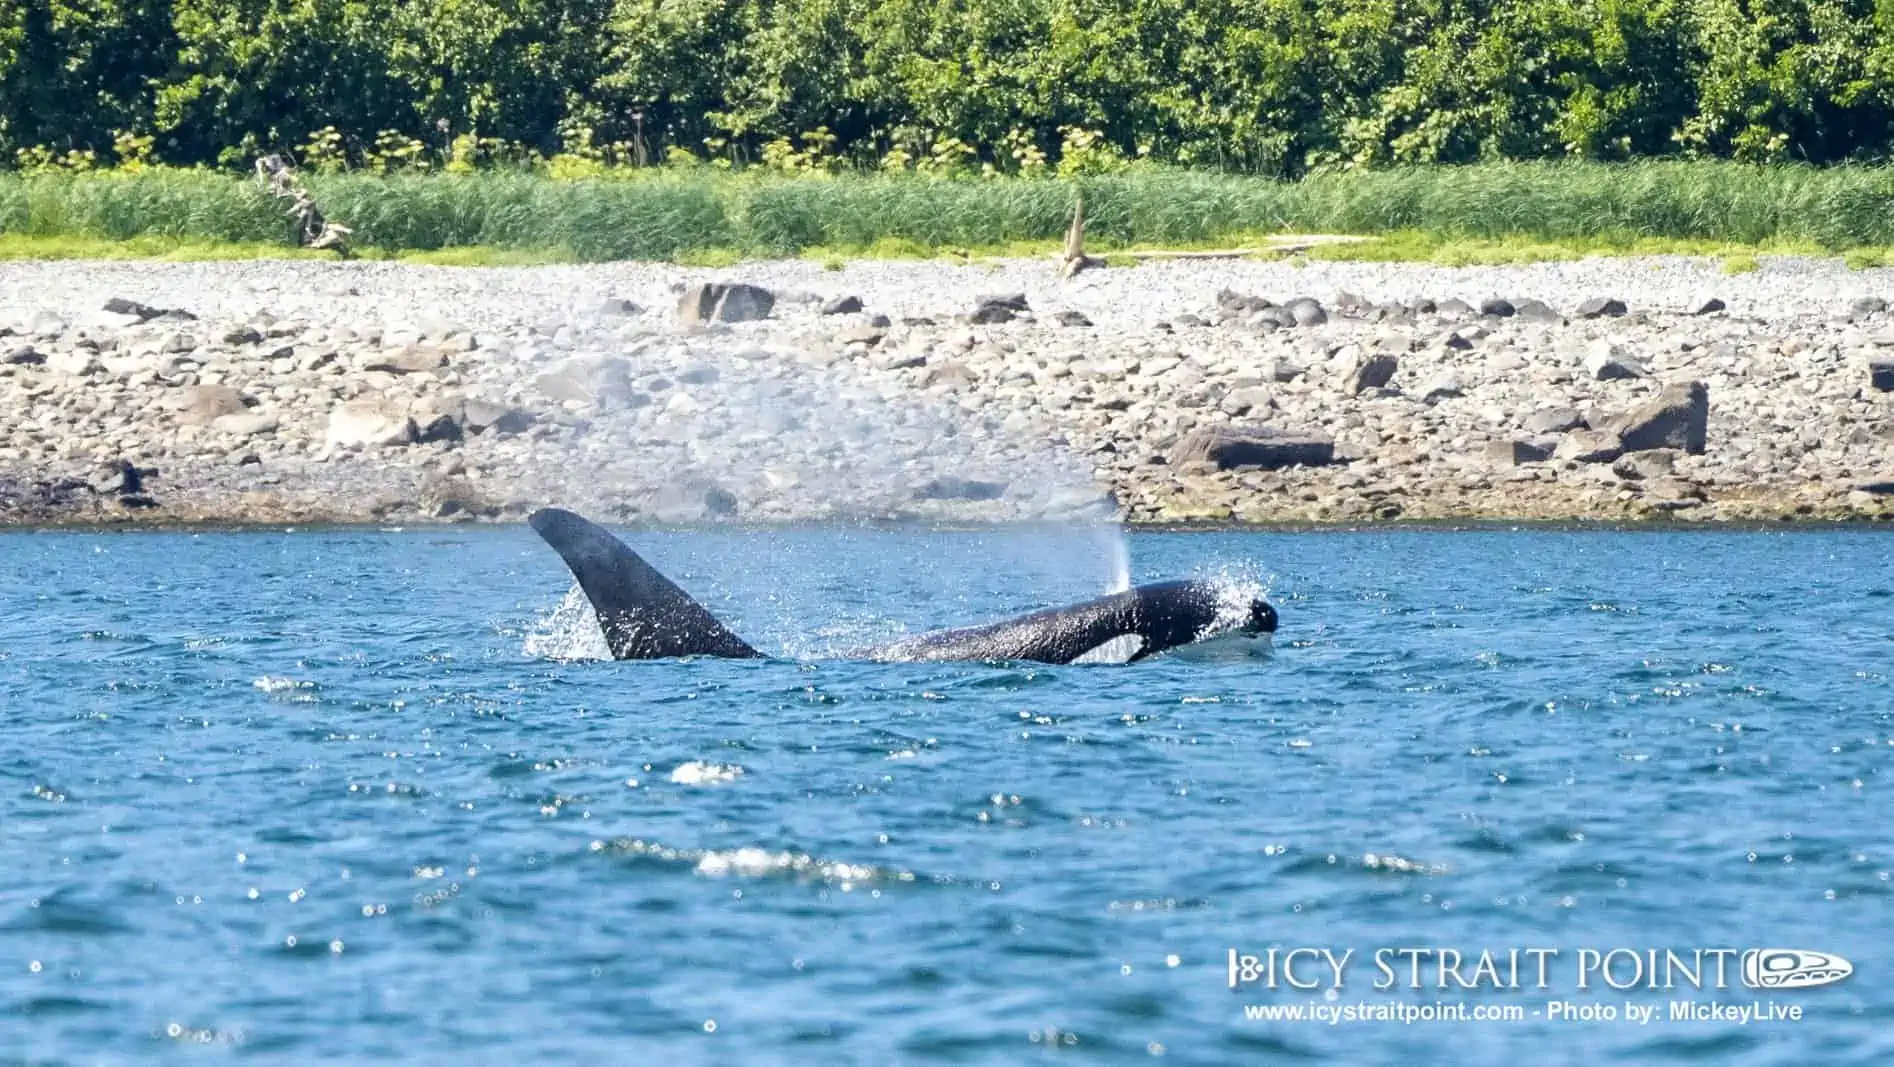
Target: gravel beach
1172,392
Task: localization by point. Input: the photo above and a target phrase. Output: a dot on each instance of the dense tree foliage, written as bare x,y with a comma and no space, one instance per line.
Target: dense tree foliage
1263,85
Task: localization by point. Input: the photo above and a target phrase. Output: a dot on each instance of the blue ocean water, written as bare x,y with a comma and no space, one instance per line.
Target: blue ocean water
342,794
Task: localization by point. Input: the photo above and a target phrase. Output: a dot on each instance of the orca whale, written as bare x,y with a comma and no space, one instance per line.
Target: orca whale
646,616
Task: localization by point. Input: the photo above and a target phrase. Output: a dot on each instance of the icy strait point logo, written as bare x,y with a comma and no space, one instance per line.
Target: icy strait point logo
1620,969
1792,968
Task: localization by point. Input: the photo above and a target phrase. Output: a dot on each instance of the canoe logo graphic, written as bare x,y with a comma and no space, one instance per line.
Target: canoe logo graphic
1792,968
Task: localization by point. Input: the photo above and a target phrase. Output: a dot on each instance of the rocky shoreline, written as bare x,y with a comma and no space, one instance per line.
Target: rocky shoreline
1174,392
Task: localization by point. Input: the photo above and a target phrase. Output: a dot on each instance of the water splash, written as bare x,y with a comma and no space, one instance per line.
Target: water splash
754,862
698,772
568,633
1111,539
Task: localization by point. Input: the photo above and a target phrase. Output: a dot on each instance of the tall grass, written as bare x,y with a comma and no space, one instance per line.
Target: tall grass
667,214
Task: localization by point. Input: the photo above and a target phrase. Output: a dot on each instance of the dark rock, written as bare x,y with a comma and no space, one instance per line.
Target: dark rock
1498,307
1442,386
440,428
1590,446
1454,342
882,321
1071,318
1236,305
25,356
1233,447
1705,306
1553,420
1391,311
1275,317
952,488
916,320
1305,311
1015,302
842,305
243,335
724,302
120,477
1515,453
1601,307
1867,305
1677,418
1877,486
1608,365
1370,372
120,306
1880,374
1426,306
719,502
484,416
991,315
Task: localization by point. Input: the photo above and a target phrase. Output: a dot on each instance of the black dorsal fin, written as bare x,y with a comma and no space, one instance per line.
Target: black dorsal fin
643,613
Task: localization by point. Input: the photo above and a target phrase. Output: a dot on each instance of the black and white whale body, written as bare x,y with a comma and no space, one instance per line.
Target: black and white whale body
645,616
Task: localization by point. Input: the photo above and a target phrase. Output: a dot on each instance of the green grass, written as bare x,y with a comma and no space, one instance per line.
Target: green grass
1498,213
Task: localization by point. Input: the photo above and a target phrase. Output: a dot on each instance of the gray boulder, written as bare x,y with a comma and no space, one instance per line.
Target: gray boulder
1553,420
203,405
1514,453
1537,311
412,359
485,416
369,422
1676,418
1442,386
1601,307
1590,446
245,425
599,380
1607,362
1306,311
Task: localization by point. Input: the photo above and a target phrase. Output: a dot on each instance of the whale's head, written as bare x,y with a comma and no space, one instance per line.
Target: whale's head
1262,618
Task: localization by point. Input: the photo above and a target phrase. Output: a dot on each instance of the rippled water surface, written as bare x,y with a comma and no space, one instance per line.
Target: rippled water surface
312,795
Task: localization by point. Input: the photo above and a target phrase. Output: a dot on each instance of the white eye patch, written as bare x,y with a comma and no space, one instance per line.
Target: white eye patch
1119,649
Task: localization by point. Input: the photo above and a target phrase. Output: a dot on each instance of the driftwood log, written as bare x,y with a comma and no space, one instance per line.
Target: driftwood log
313,229
1075,258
